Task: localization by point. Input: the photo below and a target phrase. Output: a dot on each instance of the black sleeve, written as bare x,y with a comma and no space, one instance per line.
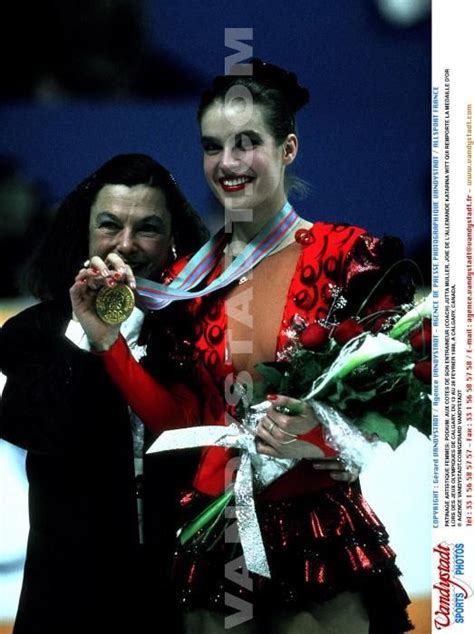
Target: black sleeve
51,384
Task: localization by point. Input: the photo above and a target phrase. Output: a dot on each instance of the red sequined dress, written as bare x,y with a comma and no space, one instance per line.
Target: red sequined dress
321,536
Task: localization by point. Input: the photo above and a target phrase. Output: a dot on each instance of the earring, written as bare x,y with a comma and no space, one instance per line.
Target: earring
174,253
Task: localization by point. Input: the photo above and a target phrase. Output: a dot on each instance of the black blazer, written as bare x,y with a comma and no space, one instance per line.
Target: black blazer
84,570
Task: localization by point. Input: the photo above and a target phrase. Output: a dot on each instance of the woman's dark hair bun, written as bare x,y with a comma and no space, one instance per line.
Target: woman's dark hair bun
283,80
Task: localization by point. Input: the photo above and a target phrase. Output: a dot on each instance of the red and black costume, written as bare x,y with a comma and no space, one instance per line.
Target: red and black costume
321,536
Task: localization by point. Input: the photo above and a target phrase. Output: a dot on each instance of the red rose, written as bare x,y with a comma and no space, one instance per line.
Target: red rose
386,302
422,371
347,330
421,338
314,336
379,323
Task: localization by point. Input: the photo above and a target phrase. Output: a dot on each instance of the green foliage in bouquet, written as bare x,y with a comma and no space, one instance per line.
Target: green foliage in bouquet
382,381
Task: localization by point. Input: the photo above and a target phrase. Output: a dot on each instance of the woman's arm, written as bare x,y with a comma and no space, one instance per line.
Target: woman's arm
159,407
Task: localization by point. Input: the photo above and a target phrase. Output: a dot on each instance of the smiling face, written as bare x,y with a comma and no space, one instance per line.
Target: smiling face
244,166
133,222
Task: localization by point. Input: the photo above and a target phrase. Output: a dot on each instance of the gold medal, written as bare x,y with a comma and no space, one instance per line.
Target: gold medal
114,305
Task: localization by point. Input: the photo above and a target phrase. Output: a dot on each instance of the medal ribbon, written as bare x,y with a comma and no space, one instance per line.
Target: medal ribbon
156,296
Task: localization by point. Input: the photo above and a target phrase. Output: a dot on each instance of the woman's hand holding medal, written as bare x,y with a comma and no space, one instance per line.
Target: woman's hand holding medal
102,298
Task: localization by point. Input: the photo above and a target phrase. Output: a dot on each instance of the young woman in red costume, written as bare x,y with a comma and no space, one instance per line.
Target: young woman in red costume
332,569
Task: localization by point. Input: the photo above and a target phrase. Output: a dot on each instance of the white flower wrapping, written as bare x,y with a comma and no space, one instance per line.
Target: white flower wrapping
257,471
254,470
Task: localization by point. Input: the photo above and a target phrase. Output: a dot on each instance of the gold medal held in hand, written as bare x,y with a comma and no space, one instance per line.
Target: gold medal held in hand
114,304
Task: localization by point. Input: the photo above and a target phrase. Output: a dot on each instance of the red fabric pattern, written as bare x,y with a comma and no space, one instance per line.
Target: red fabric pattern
158,407
320,267
325,263
317,546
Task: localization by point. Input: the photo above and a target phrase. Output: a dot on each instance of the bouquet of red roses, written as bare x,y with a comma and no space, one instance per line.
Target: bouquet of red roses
374,372
380,380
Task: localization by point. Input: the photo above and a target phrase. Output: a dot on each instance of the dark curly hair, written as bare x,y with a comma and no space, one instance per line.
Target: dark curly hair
54,265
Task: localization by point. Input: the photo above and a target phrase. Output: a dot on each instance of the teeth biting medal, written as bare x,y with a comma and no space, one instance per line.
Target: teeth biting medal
114,304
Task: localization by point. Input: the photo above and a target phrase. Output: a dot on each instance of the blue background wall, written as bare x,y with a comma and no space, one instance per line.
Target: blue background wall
364,136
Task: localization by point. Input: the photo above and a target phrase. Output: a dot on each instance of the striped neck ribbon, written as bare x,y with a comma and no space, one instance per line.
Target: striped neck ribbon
156,296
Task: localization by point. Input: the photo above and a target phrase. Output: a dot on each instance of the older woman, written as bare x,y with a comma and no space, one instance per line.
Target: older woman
85,569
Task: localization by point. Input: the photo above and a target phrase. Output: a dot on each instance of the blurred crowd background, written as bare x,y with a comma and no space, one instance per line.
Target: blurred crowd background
95,78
